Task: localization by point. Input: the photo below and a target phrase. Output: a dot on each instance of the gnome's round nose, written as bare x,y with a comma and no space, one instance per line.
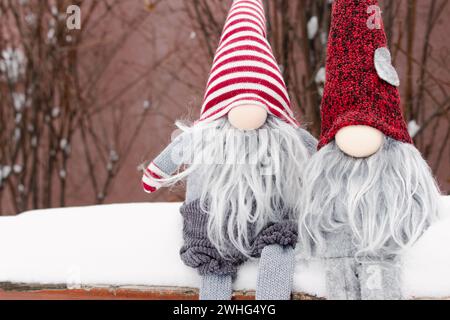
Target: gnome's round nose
247,117
245,83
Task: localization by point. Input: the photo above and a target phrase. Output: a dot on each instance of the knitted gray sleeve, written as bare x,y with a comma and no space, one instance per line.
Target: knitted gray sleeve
284,234
169,160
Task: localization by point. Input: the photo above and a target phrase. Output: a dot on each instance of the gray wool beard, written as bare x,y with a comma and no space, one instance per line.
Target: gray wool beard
244,185
387,200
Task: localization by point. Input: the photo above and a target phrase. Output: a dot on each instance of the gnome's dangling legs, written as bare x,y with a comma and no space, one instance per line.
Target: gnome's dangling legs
350,278
235,208
275,246
369,194
198,252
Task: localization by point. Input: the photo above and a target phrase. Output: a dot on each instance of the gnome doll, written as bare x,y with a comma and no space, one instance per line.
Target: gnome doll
243,161
368,193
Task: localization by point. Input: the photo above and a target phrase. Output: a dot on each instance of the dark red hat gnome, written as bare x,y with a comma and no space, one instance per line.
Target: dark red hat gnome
361,84
362,210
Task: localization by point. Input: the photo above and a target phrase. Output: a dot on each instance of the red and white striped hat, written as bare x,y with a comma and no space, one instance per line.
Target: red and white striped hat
245,70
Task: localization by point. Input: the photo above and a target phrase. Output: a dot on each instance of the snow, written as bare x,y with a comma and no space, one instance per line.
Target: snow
56,111
138,244
18,101
320,76
146,104
17,168
313,27
5,171
12,63
413,128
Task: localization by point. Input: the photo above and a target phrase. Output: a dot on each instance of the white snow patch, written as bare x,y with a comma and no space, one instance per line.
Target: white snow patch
5,171
18,101
56,111
138,244
320,76
313,27
413,128
12,63
17,168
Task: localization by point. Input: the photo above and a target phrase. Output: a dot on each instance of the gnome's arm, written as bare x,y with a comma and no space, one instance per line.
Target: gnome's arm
164,165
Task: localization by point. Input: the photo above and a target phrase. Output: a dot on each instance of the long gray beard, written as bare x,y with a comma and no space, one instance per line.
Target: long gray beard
245,185
387,200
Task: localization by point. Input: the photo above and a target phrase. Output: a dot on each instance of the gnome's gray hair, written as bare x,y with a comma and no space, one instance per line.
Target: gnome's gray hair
387,200
242,195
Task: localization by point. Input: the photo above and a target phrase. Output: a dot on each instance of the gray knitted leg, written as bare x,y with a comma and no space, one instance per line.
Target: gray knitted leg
380,281
215,287
276,273
342,280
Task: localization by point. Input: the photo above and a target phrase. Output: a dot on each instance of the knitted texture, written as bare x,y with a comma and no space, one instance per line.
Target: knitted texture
354,93
284,234
198,251
380,280
342,279
150,178
215,287
244,69
164,165
349,279
276,273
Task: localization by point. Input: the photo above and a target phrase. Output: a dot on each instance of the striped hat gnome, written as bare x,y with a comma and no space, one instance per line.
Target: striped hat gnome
243,162
369,194
244,69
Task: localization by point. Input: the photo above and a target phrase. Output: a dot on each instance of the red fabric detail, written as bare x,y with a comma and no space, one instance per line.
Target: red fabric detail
231,94
241,29
246,69
354,93
235,22
153,175
148,188
254,80
252,17
245,47
244,58
242,38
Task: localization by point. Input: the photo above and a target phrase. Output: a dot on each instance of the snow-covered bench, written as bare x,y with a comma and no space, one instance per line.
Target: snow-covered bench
131,250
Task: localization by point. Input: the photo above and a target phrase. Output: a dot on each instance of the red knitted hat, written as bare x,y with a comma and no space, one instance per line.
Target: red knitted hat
244,69
361,84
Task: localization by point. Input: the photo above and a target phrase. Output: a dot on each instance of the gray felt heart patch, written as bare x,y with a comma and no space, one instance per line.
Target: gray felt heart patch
383,65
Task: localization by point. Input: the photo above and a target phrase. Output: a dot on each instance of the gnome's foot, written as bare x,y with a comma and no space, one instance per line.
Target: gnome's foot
380,281
276,273
342,280
216,287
